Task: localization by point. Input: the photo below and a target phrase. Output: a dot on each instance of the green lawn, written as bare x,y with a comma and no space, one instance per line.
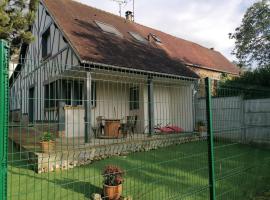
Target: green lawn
177,172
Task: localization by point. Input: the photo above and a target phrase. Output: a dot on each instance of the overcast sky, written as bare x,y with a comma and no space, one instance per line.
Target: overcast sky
206,22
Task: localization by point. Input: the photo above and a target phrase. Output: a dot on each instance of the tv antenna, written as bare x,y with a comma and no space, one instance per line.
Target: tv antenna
124,3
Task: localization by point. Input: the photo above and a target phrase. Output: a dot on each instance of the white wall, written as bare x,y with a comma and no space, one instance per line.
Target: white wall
173,104
74,122
182,104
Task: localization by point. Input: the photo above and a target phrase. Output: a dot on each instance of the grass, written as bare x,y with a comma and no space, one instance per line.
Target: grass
176,172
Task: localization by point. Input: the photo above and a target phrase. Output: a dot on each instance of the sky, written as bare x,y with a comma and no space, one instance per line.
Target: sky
206,22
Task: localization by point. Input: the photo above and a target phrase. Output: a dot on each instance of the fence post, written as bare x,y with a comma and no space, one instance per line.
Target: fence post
3,118
210,138
87,107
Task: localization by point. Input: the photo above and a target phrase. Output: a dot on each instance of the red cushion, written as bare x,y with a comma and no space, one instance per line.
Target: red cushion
176,128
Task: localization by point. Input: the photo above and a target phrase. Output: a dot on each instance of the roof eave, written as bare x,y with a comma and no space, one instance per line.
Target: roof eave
211,69
86,62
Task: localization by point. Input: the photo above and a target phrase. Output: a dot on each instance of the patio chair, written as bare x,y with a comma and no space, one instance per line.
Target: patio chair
129,127
131,124
100,126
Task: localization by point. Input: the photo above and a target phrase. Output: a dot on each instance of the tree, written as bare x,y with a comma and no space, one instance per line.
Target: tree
16,17
252,37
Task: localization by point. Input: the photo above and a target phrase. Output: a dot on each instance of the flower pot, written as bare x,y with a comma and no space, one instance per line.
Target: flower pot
112,192
47,147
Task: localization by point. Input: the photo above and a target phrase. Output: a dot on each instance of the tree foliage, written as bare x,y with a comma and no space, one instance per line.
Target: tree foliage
258,78
16,16
253,35
251,84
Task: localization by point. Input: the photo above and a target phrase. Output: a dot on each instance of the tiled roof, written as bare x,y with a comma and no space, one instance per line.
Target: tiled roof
77,21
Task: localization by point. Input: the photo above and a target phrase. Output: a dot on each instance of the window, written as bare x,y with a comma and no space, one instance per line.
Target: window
156,38
94,94
68,92
108,29
51,95
77,93
138,37
46,43
73,92
134,98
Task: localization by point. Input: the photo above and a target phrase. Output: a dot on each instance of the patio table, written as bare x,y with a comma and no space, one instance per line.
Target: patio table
111,127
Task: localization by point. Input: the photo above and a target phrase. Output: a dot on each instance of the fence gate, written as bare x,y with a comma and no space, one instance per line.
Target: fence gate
73,130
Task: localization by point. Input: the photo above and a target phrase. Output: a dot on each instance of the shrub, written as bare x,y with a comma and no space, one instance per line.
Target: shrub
113,175
47,137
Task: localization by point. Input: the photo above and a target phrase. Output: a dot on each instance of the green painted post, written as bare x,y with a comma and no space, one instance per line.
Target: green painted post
150,106
3,118
210,139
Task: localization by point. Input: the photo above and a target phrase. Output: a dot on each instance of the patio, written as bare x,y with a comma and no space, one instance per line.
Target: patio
72,152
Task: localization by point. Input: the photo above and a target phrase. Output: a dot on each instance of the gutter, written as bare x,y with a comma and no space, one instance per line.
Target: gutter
211,69
137,70
215,70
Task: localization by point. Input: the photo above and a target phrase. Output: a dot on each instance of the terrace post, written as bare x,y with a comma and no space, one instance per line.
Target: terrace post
87,107
150,106
3,118
61,111
210,139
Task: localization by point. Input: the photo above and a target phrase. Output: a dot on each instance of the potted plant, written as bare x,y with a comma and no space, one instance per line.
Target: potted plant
113,179
47,142
201,128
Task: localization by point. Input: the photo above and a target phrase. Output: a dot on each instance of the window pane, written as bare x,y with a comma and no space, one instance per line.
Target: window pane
93,94
50,95
77,91
68,93
134,98
138,37
156,38
108,28
46,43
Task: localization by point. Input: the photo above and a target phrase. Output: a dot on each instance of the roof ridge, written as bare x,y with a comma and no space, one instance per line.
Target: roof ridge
98,9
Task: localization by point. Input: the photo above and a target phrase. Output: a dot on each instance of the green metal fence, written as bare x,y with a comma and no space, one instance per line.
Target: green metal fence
3,117
174,138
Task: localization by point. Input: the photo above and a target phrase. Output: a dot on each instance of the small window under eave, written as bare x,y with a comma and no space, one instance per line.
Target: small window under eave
138,37
107,28
46,44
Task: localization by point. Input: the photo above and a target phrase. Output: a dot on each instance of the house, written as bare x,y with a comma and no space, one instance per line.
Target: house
86,63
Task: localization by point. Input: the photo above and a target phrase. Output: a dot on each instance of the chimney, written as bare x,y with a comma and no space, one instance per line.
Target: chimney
129,16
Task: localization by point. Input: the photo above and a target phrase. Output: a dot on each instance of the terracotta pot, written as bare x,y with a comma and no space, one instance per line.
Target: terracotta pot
47,147
112,192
